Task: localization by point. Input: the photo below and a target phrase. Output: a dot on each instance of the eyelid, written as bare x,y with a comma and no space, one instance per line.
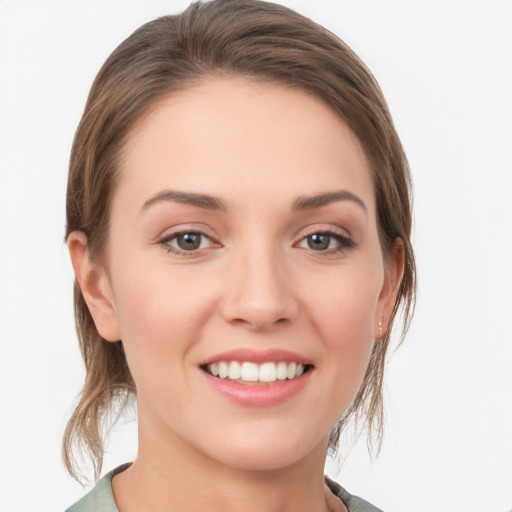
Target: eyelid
343,237
324,228
165,242
184,227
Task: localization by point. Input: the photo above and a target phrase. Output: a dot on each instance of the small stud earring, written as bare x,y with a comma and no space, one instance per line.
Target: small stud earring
380,326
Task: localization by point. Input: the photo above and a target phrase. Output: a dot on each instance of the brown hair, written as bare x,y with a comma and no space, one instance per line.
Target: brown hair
254,39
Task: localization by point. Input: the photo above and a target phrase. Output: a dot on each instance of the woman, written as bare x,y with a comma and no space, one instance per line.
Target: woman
239,224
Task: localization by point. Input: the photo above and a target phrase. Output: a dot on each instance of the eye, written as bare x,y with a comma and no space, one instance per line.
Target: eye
186,242
319,241
189,241
326,241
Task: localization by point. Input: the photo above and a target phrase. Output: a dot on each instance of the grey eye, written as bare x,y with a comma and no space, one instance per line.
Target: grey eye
319,241
188,241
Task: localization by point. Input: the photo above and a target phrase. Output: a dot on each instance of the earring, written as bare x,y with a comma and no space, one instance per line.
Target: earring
379,323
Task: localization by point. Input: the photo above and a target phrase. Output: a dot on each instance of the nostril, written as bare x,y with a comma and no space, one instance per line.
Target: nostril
259,298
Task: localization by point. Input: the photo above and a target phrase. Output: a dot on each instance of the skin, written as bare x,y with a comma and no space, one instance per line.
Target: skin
255,282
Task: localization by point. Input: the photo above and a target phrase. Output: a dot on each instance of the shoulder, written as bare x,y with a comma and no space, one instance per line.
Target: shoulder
100,498
353,503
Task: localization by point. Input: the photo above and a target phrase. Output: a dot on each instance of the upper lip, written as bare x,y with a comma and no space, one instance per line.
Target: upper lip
258,356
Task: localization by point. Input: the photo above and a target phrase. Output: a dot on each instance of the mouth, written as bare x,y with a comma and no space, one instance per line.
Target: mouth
251,373
258,378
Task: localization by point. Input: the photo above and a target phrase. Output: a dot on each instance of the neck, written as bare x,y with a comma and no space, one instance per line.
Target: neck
173,476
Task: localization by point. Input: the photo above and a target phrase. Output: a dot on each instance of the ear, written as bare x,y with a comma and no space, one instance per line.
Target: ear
393,274
96,288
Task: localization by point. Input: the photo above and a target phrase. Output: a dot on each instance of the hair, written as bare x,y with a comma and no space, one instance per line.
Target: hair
222,38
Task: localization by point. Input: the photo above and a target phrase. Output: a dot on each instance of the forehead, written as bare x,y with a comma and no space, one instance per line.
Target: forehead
244,139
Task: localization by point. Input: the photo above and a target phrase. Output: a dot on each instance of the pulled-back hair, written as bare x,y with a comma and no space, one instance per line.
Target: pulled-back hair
259,41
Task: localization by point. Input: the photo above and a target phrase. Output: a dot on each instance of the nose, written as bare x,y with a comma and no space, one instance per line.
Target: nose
259,291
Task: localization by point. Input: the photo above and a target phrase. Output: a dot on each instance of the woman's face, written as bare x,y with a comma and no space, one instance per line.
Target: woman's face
243,241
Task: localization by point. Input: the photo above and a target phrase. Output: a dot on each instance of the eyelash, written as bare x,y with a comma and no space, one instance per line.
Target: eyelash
345,243
165,242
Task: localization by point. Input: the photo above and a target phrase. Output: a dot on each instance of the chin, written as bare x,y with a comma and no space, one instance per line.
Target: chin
257,452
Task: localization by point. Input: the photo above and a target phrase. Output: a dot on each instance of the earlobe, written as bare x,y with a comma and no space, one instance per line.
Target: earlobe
95,285
392,280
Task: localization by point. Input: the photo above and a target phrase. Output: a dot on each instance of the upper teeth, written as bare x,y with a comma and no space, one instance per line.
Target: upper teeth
252,372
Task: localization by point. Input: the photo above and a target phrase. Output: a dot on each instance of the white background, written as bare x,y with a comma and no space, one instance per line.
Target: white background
446,69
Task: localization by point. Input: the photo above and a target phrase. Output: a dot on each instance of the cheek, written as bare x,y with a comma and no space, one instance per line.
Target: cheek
160,317
344,315
347,305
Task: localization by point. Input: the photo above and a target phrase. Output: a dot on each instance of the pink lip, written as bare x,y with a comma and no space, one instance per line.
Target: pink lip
261,395
258,356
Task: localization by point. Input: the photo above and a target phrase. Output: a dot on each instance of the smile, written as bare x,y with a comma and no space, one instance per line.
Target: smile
249,372
258,378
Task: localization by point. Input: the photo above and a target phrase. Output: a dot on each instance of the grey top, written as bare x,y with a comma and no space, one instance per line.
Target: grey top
101,497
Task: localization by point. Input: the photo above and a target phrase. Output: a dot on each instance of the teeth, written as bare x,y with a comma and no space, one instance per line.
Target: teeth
291,370
252,372
249,372
223,370
281,371
214,369
235,371
268,372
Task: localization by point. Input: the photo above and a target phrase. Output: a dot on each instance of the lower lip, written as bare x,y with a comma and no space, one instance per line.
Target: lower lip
260,395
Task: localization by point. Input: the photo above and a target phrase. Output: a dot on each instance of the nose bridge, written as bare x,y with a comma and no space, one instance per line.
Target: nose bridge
260,292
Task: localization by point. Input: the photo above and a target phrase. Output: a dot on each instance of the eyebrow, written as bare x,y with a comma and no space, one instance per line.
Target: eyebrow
208,202
319,200
191,198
